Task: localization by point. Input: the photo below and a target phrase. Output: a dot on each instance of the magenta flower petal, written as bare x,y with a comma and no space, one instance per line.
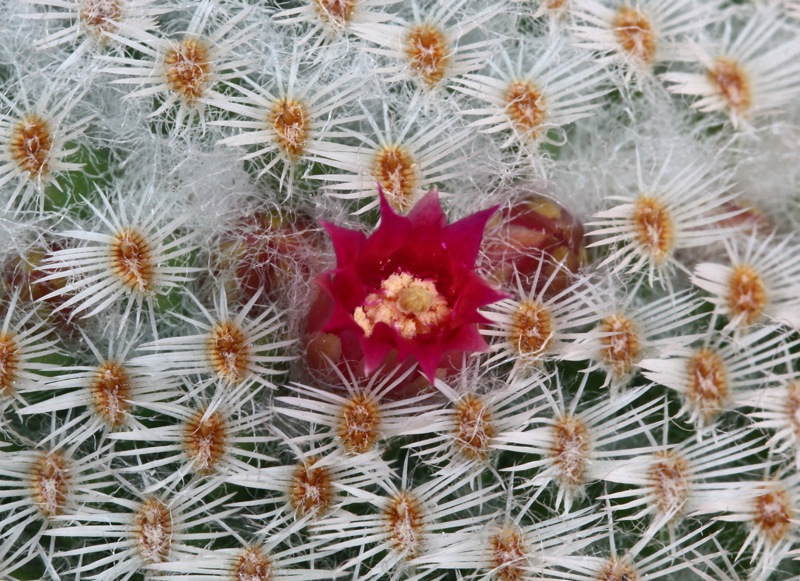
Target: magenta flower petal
426,213
463,238
410,288
345,242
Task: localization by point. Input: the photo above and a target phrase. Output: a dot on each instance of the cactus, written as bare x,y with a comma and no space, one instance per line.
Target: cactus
400,289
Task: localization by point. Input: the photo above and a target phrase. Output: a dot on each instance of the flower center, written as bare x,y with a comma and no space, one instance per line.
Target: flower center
415,299
411,306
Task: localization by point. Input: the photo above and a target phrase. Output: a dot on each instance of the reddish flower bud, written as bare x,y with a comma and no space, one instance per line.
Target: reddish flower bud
24,273
749,217
527,232
265,252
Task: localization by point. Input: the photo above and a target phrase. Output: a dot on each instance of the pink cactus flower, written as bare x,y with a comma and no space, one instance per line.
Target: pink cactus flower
410,287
